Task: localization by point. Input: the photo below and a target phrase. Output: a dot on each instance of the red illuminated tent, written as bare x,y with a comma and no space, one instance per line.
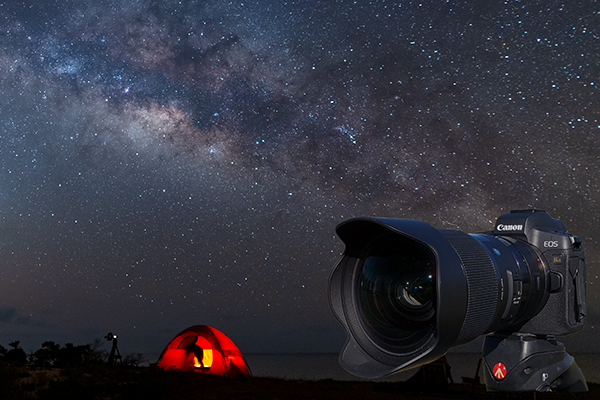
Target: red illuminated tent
204,349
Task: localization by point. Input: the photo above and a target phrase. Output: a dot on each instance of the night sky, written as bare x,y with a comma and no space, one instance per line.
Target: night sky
171,163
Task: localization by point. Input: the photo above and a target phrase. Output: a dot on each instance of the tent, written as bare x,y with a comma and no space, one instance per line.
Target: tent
204,349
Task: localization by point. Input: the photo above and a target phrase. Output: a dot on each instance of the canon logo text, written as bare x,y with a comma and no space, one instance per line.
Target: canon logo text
503,227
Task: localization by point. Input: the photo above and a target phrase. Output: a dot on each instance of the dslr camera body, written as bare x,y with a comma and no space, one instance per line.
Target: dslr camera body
562,255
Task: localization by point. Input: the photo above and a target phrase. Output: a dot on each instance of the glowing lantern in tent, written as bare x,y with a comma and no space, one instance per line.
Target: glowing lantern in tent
204,349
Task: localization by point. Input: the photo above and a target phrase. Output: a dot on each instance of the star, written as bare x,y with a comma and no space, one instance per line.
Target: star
178,163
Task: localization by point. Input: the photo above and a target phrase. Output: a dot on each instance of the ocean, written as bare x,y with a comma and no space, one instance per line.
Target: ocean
326,366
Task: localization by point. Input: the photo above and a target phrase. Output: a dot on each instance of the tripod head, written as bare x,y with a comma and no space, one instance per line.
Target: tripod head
518,362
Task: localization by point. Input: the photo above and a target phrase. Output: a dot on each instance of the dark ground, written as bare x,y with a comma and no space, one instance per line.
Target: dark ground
149,384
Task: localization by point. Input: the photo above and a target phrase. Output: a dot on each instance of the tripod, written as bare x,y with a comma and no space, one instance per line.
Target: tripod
112,358
518,362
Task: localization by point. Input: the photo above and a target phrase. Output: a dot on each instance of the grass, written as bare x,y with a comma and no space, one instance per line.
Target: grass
102,382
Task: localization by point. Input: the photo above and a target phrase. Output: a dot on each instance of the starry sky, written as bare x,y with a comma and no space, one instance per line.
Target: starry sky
171,163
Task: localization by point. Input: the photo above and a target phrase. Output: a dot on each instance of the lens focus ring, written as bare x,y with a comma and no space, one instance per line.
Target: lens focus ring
482,284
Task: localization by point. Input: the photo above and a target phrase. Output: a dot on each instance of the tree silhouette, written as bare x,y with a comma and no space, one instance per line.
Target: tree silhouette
52,355
46,356
16,355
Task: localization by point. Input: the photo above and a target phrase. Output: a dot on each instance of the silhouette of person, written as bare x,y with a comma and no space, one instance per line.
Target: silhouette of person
196,351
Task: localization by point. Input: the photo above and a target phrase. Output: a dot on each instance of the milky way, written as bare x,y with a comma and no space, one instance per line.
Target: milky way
180,163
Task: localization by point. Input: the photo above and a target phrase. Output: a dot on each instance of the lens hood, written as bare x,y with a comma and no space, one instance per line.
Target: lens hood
367,355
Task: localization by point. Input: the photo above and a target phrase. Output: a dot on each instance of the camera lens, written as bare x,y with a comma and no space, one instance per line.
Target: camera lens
396,291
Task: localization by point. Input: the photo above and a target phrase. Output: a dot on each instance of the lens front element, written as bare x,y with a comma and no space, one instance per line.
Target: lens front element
396,292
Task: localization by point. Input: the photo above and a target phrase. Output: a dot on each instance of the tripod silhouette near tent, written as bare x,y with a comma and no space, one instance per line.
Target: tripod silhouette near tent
114,355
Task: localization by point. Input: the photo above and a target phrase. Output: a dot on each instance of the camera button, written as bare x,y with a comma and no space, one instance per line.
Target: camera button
537,286
556,282
518,289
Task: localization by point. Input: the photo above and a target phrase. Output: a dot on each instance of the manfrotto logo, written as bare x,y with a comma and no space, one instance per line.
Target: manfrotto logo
503,227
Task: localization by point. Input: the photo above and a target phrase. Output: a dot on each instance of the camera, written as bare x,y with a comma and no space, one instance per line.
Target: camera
407,292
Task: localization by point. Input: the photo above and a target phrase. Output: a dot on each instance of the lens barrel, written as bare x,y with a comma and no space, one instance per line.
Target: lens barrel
406,292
